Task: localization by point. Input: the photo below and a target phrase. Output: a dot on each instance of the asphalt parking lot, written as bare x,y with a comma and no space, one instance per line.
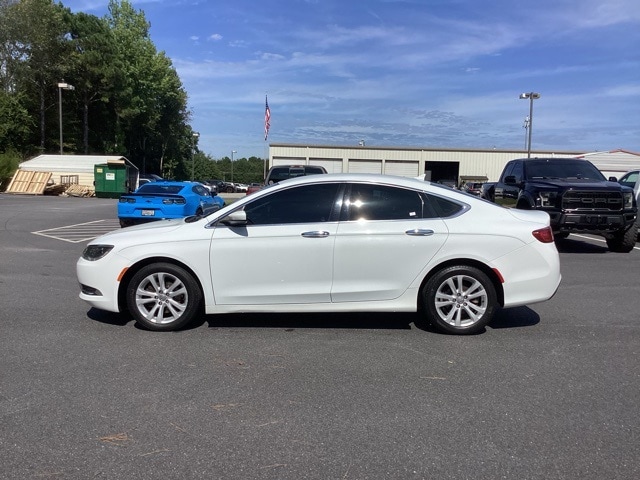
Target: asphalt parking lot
548,391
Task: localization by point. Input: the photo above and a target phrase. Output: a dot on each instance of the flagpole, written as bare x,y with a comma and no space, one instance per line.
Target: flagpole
267,125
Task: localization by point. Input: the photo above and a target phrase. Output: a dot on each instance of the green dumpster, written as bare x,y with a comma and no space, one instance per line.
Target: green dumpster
111,179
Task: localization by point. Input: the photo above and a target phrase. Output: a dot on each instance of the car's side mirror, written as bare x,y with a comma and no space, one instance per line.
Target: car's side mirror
235,219
510,180
613,179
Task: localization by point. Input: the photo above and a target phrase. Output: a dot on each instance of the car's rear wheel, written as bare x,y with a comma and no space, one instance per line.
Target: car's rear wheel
163,297
459,299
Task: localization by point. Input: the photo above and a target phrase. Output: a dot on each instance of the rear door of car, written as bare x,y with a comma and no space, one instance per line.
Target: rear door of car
284,255
386,236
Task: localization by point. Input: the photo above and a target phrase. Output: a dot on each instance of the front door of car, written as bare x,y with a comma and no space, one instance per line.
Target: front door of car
386,237
284,255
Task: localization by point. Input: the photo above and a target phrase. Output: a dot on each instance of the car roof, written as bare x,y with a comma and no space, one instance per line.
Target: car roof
170,183
356,177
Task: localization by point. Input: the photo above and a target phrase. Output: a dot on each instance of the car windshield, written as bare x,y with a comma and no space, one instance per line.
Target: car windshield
155,188
558,168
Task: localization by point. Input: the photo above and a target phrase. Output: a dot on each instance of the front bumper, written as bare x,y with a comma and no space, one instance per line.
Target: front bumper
601,222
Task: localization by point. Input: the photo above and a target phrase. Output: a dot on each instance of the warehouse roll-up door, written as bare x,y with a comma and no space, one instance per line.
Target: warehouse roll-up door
401,168
365,166
333,165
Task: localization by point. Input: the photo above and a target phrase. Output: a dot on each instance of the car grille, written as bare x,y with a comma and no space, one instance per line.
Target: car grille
592,201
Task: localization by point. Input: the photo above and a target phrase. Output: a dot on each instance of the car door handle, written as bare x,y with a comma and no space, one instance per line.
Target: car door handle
419,232
315,234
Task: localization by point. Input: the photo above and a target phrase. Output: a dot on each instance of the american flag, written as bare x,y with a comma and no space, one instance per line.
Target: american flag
267,118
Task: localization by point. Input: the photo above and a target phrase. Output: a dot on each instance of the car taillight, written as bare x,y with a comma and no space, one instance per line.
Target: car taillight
544,235
174,201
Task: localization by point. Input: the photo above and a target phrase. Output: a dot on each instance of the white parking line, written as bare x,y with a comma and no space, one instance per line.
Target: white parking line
81,232
595,239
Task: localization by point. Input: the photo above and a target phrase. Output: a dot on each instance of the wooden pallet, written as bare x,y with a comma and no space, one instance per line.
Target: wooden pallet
28,182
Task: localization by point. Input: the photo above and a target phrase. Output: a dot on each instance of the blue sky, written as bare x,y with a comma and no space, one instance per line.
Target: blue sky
412,73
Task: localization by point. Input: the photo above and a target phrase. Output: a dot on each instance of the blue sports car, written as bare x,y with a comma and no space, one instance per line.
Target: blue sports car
165,199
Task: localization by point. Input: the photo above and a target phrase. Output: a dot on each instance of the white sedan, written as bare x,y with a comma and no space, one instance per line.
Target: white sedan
329,243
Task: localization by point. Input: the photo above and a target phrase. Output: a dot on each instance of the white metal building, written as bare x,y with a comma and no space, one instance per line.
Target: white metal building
614,163
71,169
434,164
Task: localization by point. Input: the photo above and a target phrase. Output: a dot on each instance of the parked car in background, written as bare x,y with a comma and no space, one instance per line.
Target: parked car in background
163,199
283,172
329,243
486,190
448,183
148,177
220,185
575,194
474,188
254,187
632,179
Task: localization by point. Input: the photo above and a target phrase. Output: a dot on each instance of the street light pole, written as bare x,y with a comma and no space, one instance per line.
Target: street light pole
531,96
232,152
62,86
194,136
526,130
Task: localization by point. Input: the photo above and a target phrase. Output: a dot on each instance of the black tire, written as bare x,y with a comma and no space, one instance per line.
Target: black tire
459,299
163,297
623,241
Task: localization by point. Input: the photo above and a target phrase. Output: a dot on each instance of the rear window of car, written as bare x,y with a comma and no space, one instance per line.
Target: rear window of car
154,188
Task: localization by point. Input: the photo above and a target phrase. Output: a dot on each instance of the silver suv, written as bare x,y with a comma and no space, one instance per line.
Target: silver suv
632,179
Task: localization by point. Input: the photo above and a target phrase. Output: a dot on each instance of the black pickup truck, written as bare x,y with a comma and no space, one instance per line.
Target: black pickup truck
574,193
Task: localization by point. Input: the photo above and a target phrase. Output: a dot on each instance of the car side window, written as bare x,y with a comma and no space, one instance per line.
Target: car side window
630,179
517,171
302,204
200,190
376,202
507,170
438,207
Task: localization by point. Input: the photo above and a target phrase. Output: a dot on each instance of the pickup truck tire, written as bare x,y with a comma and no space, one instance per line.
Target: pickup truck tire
459,299
624,240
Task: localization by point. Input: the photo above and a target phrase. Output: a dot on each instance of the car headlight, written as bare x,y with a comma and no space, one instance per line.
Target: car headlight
96,252
547,199
628,199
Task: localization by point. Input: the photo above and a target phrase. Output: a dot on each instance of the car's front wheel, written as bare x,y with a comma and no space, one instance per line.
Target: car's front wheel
163,297
459,299
623,241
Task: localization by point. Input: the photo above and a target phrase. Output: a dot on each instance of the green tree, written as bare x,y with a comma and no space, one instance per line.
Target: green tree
95,66
15,124
40,30
150,103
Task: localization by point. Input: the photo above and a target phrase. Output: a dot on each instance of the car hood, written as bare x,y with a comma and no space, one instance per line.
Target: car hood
587,183
156,228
